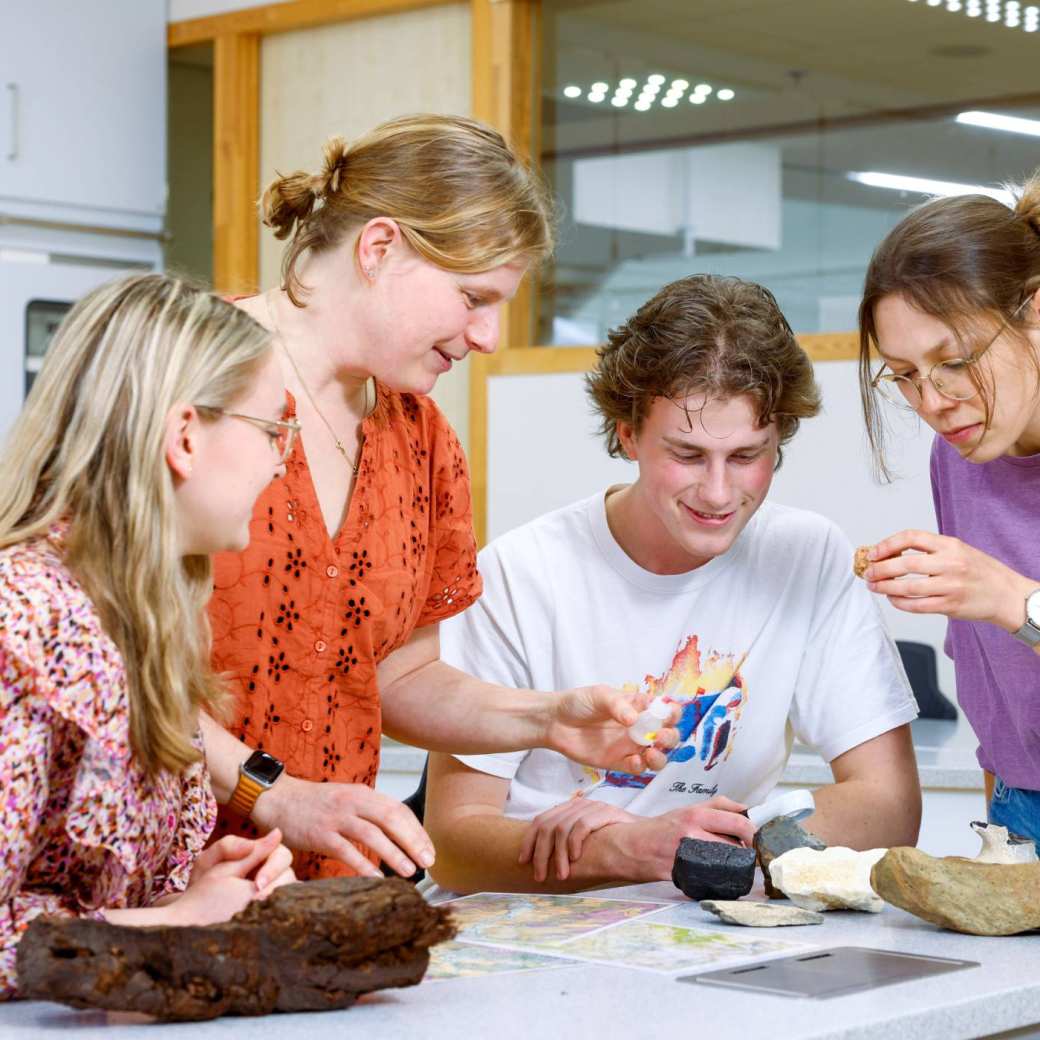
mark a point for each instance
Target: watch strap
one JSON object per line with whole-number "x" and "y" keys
{"x": 1029, "y": 633}
{"x": 245, "y": 794}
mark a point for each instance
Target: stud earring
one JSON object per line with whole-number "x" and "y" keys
{"x": 370, "y": 272}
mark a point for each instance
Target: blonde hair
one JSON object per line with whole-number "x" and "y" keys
{"x": 462, "y": 199}
{"x": 966, "y": 260}
{"x": 88, "y": 448}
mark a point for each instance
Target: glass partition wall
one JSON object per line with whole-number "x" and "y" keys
{"x": 774, "y": 139}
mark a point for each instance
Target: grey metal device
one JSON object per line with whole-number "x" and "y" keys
{"x": 830, "y": 973}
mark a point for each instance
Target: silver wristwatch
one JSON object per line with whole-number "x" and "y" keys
{"x": 1029, "y": 633}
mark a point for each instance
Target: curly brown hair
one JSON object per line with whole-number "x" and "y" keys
{"x": 722, "y": 337}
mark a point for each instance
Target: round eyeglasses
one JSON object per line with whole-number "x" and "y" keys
{"x": 952, "y": 379}
{"x": 282, "y": 432}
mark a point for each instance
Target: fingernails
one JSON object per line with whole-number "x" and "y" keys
{"x": 406, "y": 868}
{"x": 426, "y": 859}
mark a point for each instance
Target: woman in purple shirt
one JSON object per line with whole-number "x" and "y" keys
{"x": 952, "y": 305}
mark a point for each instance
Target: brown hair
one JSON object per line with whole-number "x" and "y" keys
{"x": 462, "y": 199}
{"x": 723, "y": 337}
{"x": 966, "y": 260}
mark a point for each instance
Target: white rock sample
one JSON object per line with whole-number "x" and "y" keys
{"x": 999, "y": 846}
{"x": 759, "y": 915}
{"x": 828, "y": 879}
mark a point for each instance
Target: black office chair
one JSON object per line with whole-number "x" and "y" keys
{"x": 416, "y": 801}
{"x": 920, "y": 664}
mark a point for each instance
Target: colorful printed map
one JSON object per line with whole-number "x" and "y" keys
{"x": 670, "y": 948}
{"x": 456, "y": 960}
{"x": 540, "y": 920}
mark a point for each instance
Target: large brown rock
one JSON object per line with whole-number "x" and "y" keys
{"x": 961, "y": 894}
{"x": 308, "y": 947}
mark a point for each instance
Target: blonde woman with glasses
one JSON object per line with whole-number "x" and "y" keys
{"x": 401, "y": 250}
{"x": 952, "y": 306}
{"x": 153, "y": 425}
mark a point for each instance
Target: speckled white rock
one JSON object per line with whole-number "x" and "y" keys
{"x": 828, "y": 879}
{"x": 998, "y": 846}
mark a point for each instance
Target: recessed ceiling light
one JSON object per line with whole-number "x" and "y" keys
{"x": 703, "y": 88}
{"x": 725, "y": 94}
{"x": 669, "y": 102}
{"x": 572, "y": 91}
{"x": 698, "y": 99}
{"x": 596, "y": 97}
{"x": 926, "y": 186}
{"x": 680, "y": 84}
{"x": 619, "y": 102}
{"x": 642, "y": 106}
{"x": 995, "y": 121}
{"x": 655, "y": 80}
{"x": 628, "y": 83}
{"x": 651, "y": 89}
{"x": 600, "y": 88}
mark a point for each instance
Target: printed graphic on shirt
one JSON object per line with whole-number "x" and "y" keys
{"x": 712, "y": 695}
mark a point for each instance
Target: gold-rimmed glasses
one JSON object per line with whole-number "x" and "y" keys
{"x": 281, "y": 431}
{"x": 952, "y": 378}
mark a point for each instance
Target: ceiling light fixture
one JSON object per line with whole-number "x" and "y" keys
{"x": 628, "y": 83}
{"x": 572, "y": 92}
{"x": 926, "y": 186}
{"x": 725, "y": 94}
{"x": 698, "y": 99}
{"x": 995, "y": 121}
{"x": 655, "y": 80}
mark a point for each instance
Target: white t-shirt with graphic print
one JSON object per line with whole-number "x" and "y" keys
{"x": 774, "y": 640}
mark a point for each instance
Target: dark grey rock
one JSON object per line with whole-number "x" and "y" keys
{"x": 713, "y": 869}
{"x": 774, "y": 839}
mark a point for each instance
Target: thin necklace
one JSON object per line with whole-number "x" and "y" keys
{"x": 354, "y": 463}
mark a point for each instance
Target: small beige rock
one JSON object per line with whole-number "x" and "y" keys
{"x": 759, "y": 915}
{"x": 835, "y": 878}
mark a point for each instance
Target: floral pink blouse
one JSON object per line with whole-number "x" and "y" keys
{"x": 82, "y": 827}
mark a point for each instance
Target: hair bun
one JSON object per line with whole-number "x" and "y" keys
{"x": 288, "y": 201}
{"x": 334, "y": 156}
{"x": 1027, "y": 206}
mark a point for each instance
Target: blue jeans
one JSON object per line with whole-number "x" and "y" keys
{"x": 1016, "y": 808}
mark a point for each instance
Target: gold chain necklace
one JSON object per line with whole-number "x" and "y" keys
{"x": 354, "y": 463}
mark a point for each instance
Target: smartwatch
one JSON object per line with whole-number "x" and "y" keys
{"x": 1029, "y": 633}
{"x": 256, "y": 775}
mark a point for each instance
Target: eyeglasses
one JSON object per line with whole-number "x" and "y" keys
{"x": 952, "y": 379}
{"x": 282, "y": 432}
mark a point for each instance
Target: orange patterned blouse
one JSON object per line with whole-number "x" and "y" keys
{"x": 301, "y": 620}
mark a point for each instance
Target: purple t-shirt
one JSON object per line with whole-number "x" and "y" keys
{"x": 995, "y": 506}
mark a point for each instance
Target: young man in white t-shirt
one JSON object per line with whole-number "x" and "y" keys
{"x": 688, "y": 583}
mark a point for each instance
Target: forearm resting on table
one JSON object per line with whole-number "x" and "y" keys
{"x": 875, "y": 801}
{"x": 478, "y": 849}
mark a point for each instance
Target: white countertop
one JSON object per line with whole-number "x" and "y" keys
{"x": 605, "y": 1002}
{"x": 945, "y": 758}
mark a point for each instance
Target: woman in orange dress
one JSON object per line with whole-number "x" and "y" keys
{"x": 402, "y": 249}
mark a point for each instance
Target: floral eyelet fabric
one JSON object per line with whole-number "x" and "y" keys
{"x": 82, "y": 826}
{"x": 301, "y": 620}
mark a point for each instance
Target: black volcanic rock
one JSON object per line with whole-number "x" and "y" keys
{"x": 713, "y": 869}
{"x": 774, "y": 839}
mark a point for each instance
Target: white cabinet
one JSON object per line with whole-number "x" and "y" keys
{"x": 83, "y": 111}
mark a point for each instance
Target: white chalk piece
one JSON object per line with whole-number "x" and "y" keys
{"x": 796, "y": 805}
{"x": 645, "y": 729}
